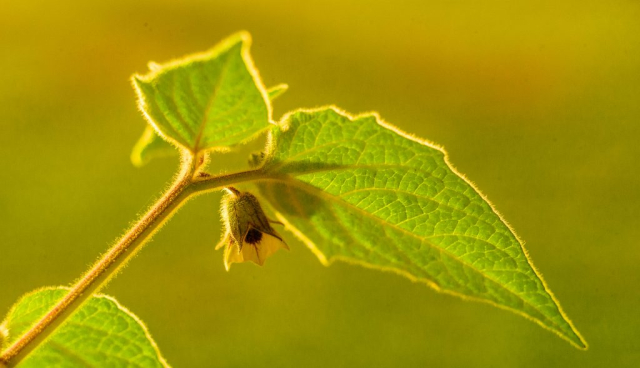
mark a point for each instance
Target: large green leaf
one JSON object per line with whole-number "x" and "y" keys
{"x": 206, "y": 101}
{"x": 151, "y": 145}
{"x": 100, "y": 334}
{"x": 358, "y": 190}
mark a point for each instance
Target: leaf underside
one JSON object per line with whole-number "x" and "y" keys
{"x": 151, "y": 145}
{"x": 357, "y": 190}
{"x": 206, "y": 101}
{"x": 100, "y": 334}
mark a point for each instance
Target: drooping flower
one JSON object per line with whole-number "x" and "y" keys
{"x": 248, "y": 232}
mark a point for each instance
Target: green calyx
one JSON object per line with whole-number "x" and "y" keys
{"x": 249, "y": 235}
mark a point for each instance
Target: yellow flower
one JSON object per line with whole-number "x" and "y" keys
{"x": 248, "y": 233}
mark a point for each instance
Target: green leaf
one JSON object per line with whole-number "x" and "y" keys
{"x": 151, "y": 145}
{"x": 205, "y": 101}
{"x": 100, "y": 334}
{"x": 4, "y": 334}
{"x": 277, "y": 91}
{"x": 358, "y": 190}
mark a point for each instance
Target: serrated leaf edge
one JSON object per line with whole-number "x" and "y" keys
{"x": 328, "y": 261}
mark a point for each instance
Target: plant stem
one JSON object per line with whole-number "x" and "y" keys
{"x": 186, "y": 185}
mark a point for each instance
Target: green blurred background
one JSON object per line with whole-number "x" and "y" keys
{"x": 537, "y": 103}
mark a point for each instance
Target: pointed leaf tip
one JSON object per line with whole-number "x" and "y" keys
{"x": 207, "y": 100}
{"x": 360, "y": 190}
{"x": 150, "y": 145}
{"x": 277, "y": 91}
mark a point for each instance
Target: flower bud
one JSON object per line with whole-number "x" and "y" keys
{"x": 256, "y": 159}
{"x": 248, "y": 233}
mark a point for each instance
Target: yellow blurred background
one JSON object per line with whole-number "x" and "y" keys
{"x": 536, "y": 102}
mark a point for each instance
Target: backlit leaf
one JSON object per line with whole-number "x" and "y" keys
{"x": 205, "y": 101}
{"x": 100, "y": 334}
{"x": 358, "y": 190}
{"x": 151, "y": 145}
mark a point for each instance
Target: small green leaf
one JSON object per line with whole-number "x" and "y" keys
{"x": 100, "y": 334}
{"x": 206, "y": 101}
{"x": 359, "y": 190}
{"x": 277, "y": 91}
{"x": 151, "y": 145}
{"x": 4, "y": 334}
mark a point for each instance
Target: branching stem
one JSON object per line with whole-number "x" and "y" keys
{"x": 189, "y": 182}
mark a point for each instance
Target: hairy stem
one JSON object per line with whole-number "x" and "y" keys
{"x": 187, "y": 184}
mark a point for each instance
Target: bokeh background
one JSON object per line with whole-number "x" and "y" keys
{"x": 536, "y": 102}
